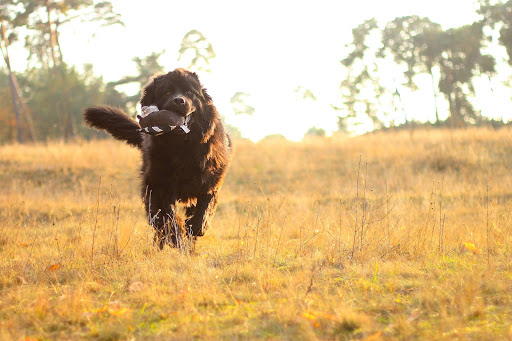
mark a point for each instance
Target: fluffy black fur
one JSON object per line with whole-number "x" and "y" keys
{"x": 177, "y": 167}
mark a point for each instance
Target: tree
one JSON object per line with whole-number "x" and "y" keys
{"x": 146, "y": 68}
{"x": 233, "y": 132}
{"x": 314, "y": 131}
{"x": 274, "y": 138}
{"x": 8, "y": 124}
{"x": 461, "y": 60}
{"x": 361, "y": 90}
{"x": 197, "y": 50}
{"x": 305, "y": 94}
{"x": 41, "y": 21}
{"x": 58, "y": 105}
{"x": 413, "y": 41}
{"x": 499, "y": 15}
{"x": 420, "y": 45}
{"x": 47, "y": 17}
{"x": 416, "y": 45}
{"x": 239, "y": 103}
{"x": 12, "y": 17}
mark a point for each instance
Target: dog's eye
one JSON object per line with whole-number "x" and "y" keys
{"x": 168, "y": 93}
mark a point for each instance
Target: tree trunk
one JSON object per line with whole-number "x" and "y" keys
{"x": 451, "y": 101}
{"x": 26, "y": 111}
{"x": 56, "y": 31}
{"x": 53, "y": 36}
{"x": 435, "y": 95}
{"x": 16, "y": 108}
{"x": 12, "y": 83}
{"x": 456, "y": 116}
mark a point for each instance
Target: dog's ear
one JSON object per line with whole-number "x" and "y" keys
{"x": 148, "y": 94}
{"x": 211, "y": 116}
{"x": 210, "y": 129}
{"x": 207, "y": 97}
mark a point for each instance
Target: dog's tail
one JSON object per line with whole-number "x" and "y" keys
{"x": 116, "y": 122}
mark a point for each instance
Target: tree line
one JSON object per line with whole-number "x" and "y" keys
{"x": 46, "y": 101}
{"x": 412, "y": 46}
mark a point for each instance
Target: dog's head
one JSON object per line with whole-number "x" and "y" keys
{"x": 180, "y": 91}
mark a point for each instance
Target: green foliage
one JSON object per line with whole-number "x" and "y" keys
{"x": 58, "y": 96}
{"x": 197, "y": 50}
{"x": 362, "y": 90}
{"x": 314, "y": 131}
{"x": 411, "y": 42}
{"x": 274, "y": 137}
{"x": 461, "y": 61}
{"x": 146, "y": 68}
{"x": 234, "y": 132}
{"x": 239, "y": 103}
{"x": 305, "y": 94}
{"x": 359, "y": 46}
{"x": 499, "y": 15}
{"x": 7, "y": 117}
{"x": 416, "y": 46}
{"x": 12, "y": 16}
{"x": 45, "y": 19}
{"x": 54, "y": 93}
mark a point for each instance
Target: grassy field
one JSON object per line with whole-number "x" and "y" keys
{"x": 383, "y": 236}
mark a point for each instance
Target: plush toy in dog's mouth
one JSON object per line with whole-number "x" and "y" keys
{"x": 157, "y": 122}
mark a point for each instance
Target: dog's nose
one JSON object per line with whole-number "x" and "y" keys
{"x": 179, "y": 100}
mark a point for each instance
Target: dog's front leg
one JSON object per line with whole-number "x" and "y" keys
{"x": 162, "y": 216}
{"x": 170, "y": 229}
{"x": 205, "y": 207}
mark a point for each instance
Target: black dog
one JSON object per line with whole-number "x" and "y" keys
{"x": 177, "y": 167}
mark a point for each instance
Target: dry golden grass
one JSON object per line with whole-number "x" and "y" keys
{"x": 384, "y": 236}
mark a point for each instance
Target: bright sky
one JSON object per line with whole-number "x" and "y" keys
{"x": 264, "y": 48}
